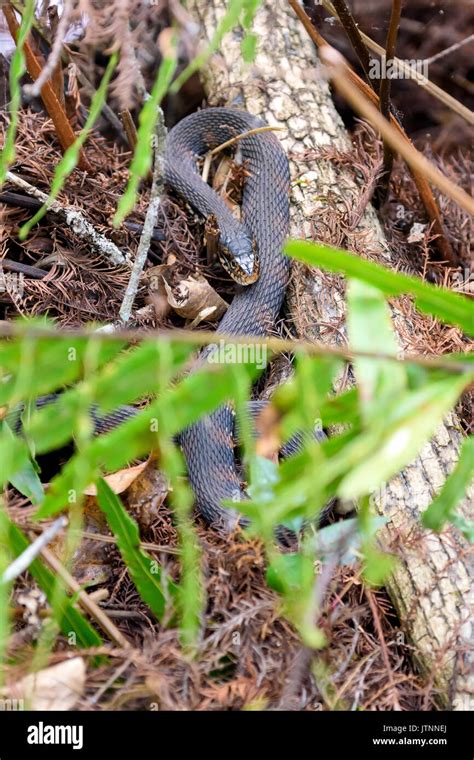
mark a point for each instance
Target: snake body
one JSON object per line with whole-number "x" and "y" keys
{"x": 208, "y": 444}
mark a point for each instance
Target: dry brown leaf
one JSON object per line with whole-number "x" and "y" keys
{"x": 56, "y": 688}
{"x": 146, "y": 495}
{"x": 194, "y": 298}
{"x": 268, "y": 431}
{"x": 119, "y": 481}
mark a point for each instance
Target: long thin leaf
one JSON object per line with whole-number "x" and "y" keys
{"x": 370, "y": 329}
{"x": 70, "y": 620}
{"x": 71, "y": 157}
{"x": 442, "y": 507}
{"x": 142, "y": 158}
{"x": 143, "y": 570}
{"x": 447, "y": 306}
{"x": 17, "y": 69}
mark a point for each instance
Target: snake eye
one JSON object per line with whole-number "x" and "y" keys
{"x": 239, "y": 259}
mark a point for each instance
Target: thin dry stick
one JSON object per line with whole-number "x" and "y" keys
{"x": 116, "y": 674}
{"x": 77, "y": 222}
{"x": 109, "y": 114}
{"x": 383, "y": 647}
{"x": 145, "y": 545}
{"x": 85, "y": 601}
{"x": 450, "y": 49}
{"x": 54, "y": 108}
{"x": 101, "y": 538}
{"x": 352, "y": 30}
{"x": 22, "y": 563}
{"x": 57, "y": 79}
{"x": 407, "y": 70}
{"x": 150, "y": 220}
{"x": 424, "y": 189}
{"x": 54, "y": 57}
{"x": 228, "y": 143}
{"x": 338, "y": 70}
{"x": 275, "y": 345}
{"x": 129, "y": 127}
{"x": 384, "y": 93}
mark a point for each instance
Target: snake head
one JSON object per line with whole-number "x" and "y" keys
{"x": 239, "y": 258}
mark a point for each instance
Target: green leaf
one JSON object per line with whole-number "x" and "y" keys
{"x": 42, "y": 365}
{"x": 466, "y": 527}
{"x": 172, "y": 412}
{"x": 264, "y": 474}
{"x": 250, "y": 8}
{"x": 406, "y": 426}
{"x": 442, "y": 303}
{"x": 249, "y": 47}
{"x": 25, "y": 479}
{"x": 225, "y": 25}
{"x": 290, "y": 572}
{"x": 442, "y": 507}
{"x": 142, "y": 157}
{"x": 14, "y": 456}
{"x": 133, "y": 375}
{"x": 67, "y": 616}
{"x": 377, "y": 566}
{"x": 144, "y": 571}
{"x": 17, "y": 69}
{"x": 345, "y": 536}
{"x": 370, "y": 330}
{"x": 71, "y": 157}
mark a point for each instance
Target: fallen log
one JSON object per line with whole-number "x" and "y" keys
{"x": 285, "y": 86}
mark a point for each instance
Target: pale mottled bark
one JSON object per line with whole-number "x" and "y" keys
{"x": 285, "y": 86}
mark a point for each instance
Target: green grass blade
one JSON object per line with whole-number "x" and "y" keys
{"x": 370, "y": 329}
{"x": 448, "y": 306}
{"x": 442, "y": 507}
{"x": 226, "y": 24}
{"x": 17, "y": 69}
{"x": 69, "y": 619}
{"x": 142, "y": 157}
{"x": 71, "y": 157}
{"x": 143, "y": 570}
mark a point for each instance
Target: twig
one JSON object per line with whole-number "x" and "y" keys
{"x": 424, "y": 189}
{"x": 85, "y": 601}
{"x": 338, "y": 71}
{"x": 145, "y": 545}
{"x": 55, "y": 54}
{"x": 384, "y": 95}
{"x": 54, "y": 108}
{"x": 383, "y": 646}
{"x": 210, "y": 154}
{"x": 249, "y": 133}
{"x": 22, "y": 201}
{"x": 275, "y": 345}
{"x": 352, "y": 30}
{"x": 107, "y": 111}
{"x": 116, "y": 674}
{"x": 57, "y": 76}
{"x": 406, "y": 69}
{"x": 129, "y": 127}
{"x": 22, "y": 563}
{"x": 15, "y": 266}
{"x": 150, "y": 220}
{"x": 101, "y": 538}
{"x": 157, "y": 235}
{"x": 77, "y": 222}
{"x": 450, "y": 49}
